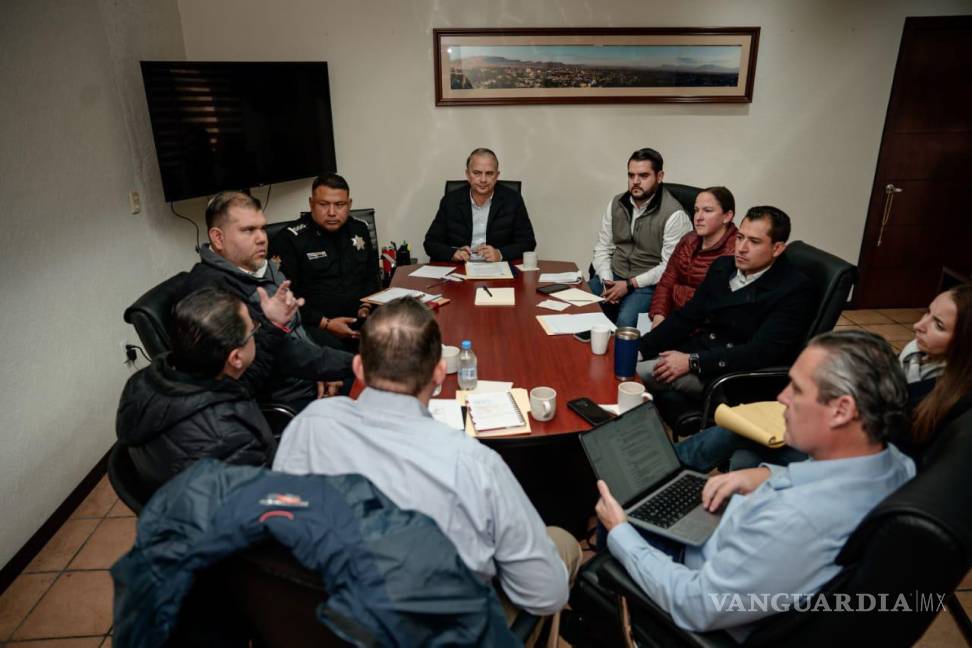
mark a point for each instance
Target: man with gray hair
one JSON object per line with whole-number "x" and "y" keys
{"x": 389, "y": 436}
{"x": 482, "y": 221}
{"x": 846, "y": 396}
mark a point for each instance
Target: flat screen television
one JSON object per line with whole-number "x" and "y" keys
{"x": 222, "y": 125}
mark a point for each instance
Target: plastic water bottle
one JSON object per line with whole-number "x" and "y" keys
{"x": 468, "y": 376}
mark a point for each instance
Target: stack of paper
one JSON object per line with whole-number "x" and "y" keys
{"x": 495, "y": 297}
{"x": 761, "y": 422}
{"x": 578, "y": 297}
{"x": 574, "y": 276}
{"x": 482, "y": 270}
{"x": 448, "y": 411}
{"x": 389, "y": 294}
{"x": 432, "y": 272}
{"x": 554, "y": 305}
{"x": 494, "y": 410}
{"x": 569, "y": 324}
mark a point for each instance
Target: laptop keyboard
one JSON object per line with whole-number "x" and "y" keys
{"x": 671, "y": 504}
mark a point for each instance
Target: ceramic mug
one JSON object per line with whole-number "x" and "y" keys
{"x": 543, "y": 403}
{"x": 451, "y": 356}
{"x": 530, "y": 260}
{"x": 630, "y": 394}
{"x": 600, "y": 336}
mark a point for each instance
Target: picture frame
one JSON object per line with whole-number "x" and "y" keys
{"x": 493, "y": 67}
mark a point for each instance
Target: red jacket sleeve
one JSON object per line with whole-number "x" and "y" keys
{"x": 662, "y": 301}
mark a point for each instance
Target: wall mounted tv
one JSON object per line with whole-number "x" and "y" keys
{"x": 220, "y": 125}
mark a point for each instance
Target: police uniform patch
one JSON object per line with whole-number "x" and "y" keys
{"x": 296, "y": 228}
{"x": 357, "y": 242}
{"x": 313, "y": 256}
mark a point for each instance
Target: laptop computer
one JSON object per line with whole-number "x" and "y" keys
{"x": 633, "y": 455}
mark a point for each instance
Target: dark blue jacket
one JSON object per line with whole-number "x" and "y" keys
{"x": 391, "y": 572}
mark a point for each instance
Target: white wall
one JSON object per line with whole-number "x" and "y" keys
{"x": 808, "y": 143}
{"x": 73, "y": 133}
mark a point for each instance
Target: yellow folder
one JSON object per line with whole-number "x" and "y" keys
{"x": 760, "y": 422}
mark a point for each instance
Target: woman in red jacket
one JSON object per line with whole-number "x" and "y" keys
{"x": 714, "y": 236}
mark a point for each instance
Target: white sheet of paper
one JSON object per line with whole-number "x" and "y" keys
{"x": 553, "y": 304}
{"x": 386, "y": 296}
{"x": 574, "y": 276}
{"x": 564, "y": 324}
{"x": 484, "y": 269}
{"x": 613, "y": 408}
{"x": 432, "y": 272}
{"x": 523, "y": 268}
{"x": 644, "y": 323}
{"x": 448, "y": 411}
{"x": 578, "y": 297}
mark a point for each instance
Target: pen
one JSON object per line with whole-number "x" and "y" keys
{"x": 487, "y": 291}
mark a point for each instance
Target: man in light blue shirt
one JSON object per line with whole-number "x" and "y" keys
{"x": 388, "y": 436}
{"x": 783, "y": 528}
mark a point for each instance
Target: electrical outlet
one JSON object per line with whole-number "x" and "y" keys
{"x": 135, "y": 202}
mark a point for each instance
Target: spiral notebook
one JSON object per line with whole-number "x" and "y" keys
{"x": 482, "y": 407}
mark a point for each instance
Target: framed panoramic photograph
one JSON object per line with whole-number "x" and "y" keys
{"x": 548, "y": 66}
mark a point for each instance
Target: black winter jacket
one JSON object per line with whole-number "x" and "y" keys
{"x": 169, "y": 420}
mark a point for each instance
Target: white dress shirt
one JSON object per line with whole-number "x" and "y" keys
{"x": 480, "y": 219}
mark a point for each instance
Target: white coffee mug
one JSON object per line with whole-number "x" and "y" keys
{"x": 630, "y": 394}
{"x": 451, "y": 356}
{"x": 600, "y": 336}
{"x": 543, "y": 403}
{"x": 530, "y": 260}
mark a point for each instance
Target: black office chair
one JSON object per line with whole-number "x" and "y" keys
{"x": 452, "y": 185}
{"x": 918, "y": 540}
{"x": 150, "y": 314}
{"x": 833, "y": 279}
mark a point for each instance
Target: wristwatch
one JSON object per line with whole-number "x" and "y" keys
{"x": 694, "y": 365}
{"x": 630, "y": 283}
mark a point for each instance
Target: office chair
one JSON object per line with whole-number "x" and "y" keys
{"x": 452, "y": 185}
{"x": 150, "y": 314}
{"x": 918, "y": 540}
{"x": 833, "y": 278}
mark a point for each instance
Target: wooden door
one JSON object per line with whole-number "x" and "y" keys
{"x": 920, "y": 214}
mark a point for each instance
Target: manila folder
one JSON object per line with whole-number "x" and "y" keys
{"x": 761, "y": 422}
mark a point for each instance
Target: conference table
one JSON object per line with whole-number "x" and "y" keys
{"x": 511, "y": 346}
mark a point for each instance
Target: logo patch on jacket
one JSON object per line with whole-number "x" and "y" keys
{"x": 284, "y": 499}
{"x": 296, "y": 228}
{"x": 357, "y": 242}
{"x": 313, "y": 256}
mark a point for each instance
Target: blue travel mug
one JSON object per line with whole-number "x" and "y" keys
{"x": 626, "y": 341}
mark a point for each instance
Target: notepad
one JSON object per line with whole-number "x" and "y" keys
{"x": 569, "y": 324}
{"x": 760, "y": 422}
{"x": 389, "y": 294}
{"x": 432, "y": 272}
{"x": 578, "y": 297}
{"x": 554, "y": 305}
{"x": 483, "y": 270}
{"x": 560, "y": 277}
{"x": 495, "y": 297}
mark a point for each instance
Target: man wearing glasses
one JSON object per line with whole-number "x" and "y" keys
{"x": 332, "y": 262}
{"x": 195, "y": 401}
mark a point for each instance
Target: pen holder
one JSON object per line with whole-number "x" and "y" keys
{"x": 626, "y": 341}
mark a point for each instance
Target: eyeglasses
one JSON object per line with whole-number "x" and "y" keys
{"x": 256, "y": 327}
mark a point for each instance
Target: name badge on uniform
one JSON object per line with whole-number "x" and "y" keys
{"x": 313, "y": 256}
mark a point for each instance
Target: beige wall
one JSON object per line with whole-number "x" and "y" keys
{"x": 808, "y": 142}
{"x": 73, "y": 145}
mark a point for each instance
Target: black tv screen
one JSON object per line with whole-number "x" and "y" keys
{"x": 220, "y": 125}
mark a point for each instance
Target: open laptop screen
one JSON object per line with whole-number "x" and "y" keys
{"x": 631, "y": 453}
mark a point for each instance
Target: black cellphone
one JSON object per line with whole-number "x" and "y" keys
{"x": 590, "y": 411}
{"x": 552, "y": 288}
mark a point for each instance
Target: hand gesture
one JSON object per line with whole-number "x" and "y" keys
{"x": 614, "y": 291}
{"x": 609, "y": 512}
{"x": 328, "y": 389}
{"x": 656, "y": 320}
{"x": 462, "y": 254}
{"x": 489, "y": 253}
{"x": 282, "y": 307}
{"x": 672, "y": 366}
{"x": 721, "y": 487}
{"x": 340, "y": 326}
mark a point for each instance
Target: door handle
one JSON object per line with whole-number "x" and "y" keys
{"x": 889, "y": 191}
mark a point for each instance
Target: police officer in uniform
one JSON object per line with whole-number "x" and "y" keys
{"x": 332, "y": 263}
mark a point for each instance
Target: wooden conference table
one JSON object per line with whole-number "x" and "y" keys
{"x": 511, "y": 346}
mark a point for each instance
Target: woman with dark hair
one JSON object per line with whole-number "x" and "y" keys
{"x": 714, "y": 236}
{"x": 938, "y": 368}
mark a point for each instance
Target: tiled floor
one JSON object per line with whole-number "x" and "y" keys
{"x": 64, "y": 597}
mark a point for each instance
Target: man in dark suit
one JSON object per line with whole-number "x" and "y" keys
{"x": 751, "y": 311}
{"x": 483, "y": 221}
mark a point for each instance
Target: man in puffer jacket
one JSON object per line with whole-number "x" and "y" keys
{"x": 190, "y": 403}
